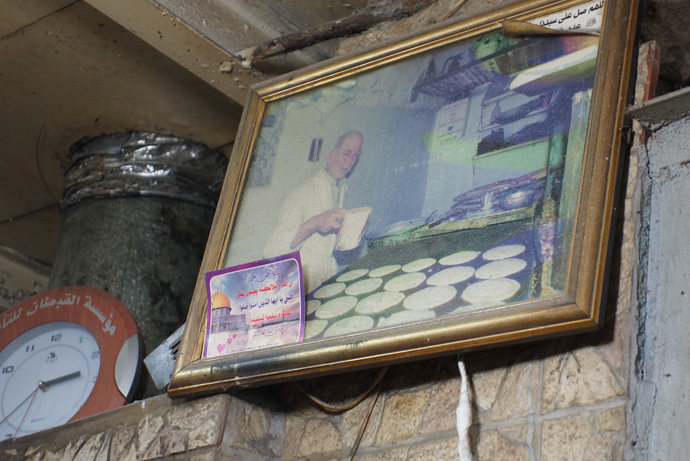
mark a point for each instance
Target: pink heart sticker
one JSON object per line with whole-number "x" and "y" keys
{"x": 221, "y": 347}
{"x": 230, "y": 340}
{"x": 234, "y": 336}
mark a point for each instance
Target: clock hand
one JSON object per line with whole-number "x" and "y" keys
{"x": 33, "y": 394}
{"x": 45, "y": 385}
{"x": 27, "y": 411}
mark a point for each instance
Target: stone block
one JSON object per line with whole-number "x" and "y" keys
{"x": 352, "y": 420}
{"x": 320, "y": 436}
{"x": 566, "y": 439}
{"x": 402, "y": 414}
{"x": 89, "y": 451}
{"x": 486, "y": 385}
{"x": 105, "y": 449}
{"x": 257, "y": 423}
{"x": 189, "y": 415}
{"x": 395, "y": 454}
{"x": 617, "y": 351}
{"x": 441, "y": 450}
{"x": 507, "y": 445}
{"x": 121, "y": 441}
{"x": 516, "y": 396}
{"x": 173, "y": 441}
{"x": 148, "y": 430}
{"x": 411, "y": 376}
{"x": 612, "y": 420}
{"x": 440, "y": 413}
{"x": 580, "y": 377}
{"x": 601, "y": 448}
{"x": 129, "y": 455}
{"x": 294, "y": 430}
{"x": 204, "y": 435}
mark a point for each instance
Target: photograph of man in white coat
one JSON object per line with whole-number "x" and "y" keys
{"x": 313, "y": 214}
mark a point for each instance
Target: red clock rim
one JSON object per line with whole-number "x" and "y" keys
{"x": 105, "y": 394}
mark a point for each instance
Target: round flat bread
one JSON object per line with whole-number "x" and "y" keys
{"x": 385, "y": 270}
{"x": 501, "y": 268}
{"x": 329, "y": 290}
{"x": 406, "y": 317}
{"x": 349, "y": 325}
{"x": 430, "y": 297}
{"x": 352, "y": 275}
{"x": 492, "y": 290}
{"x": 336, "y": 307}
{"x": 405, "y": 282}
{"x": 451, "y": 275}
{"x": 314, "y": 327}
{"x": 461, "y": 257}
{"x": 312, "y": 305}
{"x": 503, "y": 252}
{"x": 418, "y": 265}
{"x": 379, "y": 302}
{"x": 363, "y": 286}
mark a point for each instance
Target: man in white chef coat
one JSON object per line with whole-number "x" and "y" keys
{"x": 313, "y": 213}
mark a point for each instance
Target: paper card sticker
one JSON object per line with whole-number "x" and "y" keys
{"x": 584, "y": 18}
{"x": 255, "y": 305}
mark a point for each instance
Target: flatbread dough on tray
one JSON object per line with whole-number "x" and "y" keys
{"x": 430, "y": 297}
{"x": 405, "y": 282}
{"x": 352, "y": 275}
{"x": 492, "y": 290}
{"x": 329, "y": 290}
{"x": 451, "y": 275}
{"x": 363, "y": 286}
{"x": 314, "y": 327}
{"x": 418, "y": 265}
{"x": 384, "y": 270}
{"x": 349, "y": 325}
{"x": 461, "y": 257}
{"x": 501, "y": 268}
{"x": 336, "y": 307}
{"x": 379, "y": 302}
{"x": 503, "y": 252}
{"x": 405, "y": 317}
{"x": 312, "y": 305}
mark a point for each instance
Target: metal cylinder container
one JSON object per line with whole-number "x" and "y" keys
{"x": 137, "y": 210}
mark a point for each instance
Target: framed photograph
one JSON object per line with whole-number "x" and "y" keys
{"x": 450, "y": 190}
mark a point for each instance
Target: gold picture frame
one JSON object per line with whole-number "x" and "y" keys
{"x": 491, "y": 136}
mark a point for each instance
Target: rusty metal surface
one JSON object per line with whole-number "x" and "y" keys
{"x": 148, "y": 164}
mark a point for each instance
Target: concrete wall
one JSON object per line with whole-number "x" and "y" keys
{"x": 662, "y": 401}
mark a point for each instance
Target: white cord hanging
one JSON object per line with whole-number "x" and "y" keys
{"x": 464, "y": 415}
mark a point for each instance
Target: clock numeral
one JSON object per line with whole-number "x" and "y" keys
{"x": 57, "y": 337}
{"x": 96, "y": 354}
{"x": 7, "y": 369}
{"x": 29, "y": 348}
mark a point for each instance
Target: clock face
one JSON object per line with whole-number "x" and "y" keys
{"x": 64, "y": 355}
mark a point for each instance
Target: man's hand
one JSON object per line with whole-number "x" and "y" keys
{"x": 325, "y": 223}
{"x": 329, "y": 221}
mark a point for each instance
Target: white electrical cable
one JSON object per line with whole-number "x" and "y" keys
{"x": 464, "y": 415}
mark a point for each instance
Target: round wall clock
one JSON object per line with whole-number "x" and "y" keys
{"x": 65, "y": 354}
